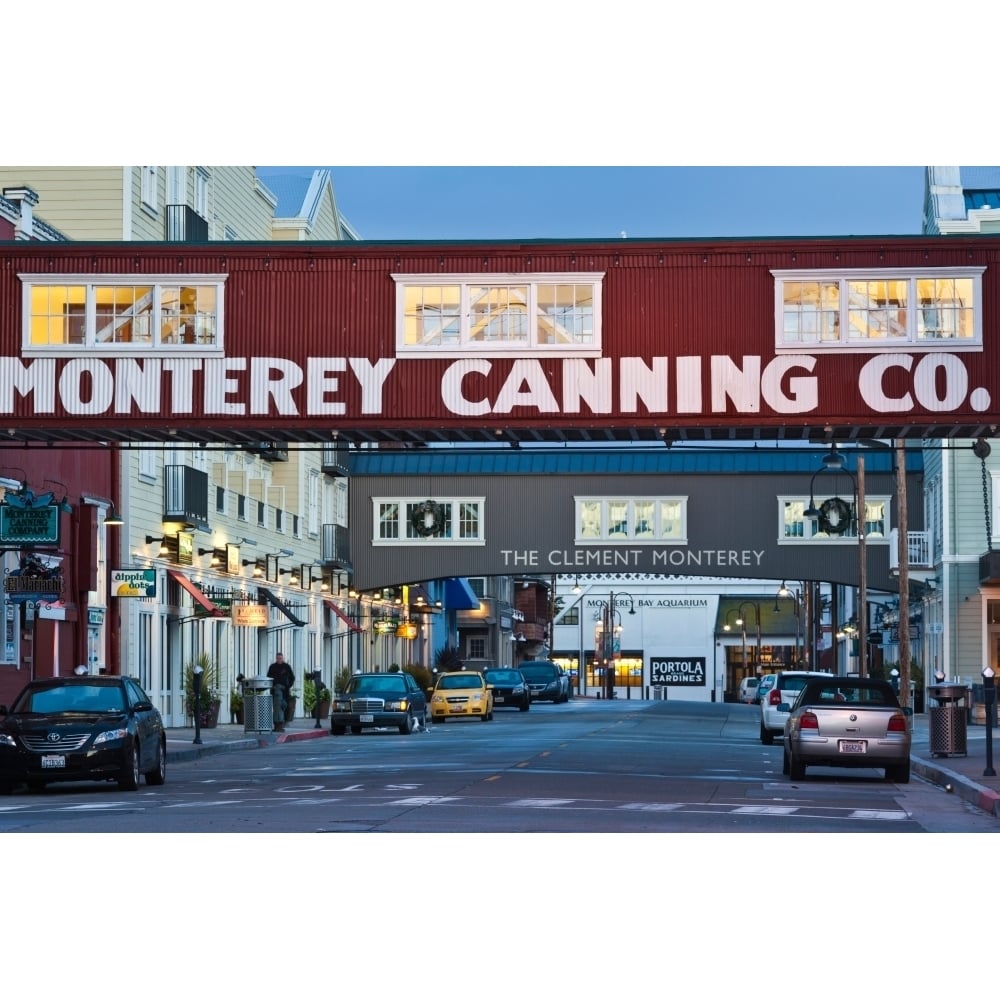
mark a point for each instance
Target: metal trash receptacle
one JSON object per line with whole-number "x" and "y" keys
{"x": 947, "y": 721}
{"x": 258, "y": 705}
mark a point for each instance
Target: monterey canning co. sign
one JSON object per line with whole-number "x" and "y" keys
{"x": 654, "y": 336}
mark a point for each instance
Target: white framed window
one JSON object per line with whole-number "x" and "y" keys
{"x": 479, "y": 315}
{"x": 177, "y": 185}
{"x": 148, "y": 187}
{"x": 632, "y": 520}
{"x": 313, "y": 502}
{"x": 931, "y": 309}
{"x": 117, "y": 314}
{"x": 441, "y": 521}
{"x": 148, "y": 464}
{"x": 794, "y": 526}
{"x": 201, "y": 176}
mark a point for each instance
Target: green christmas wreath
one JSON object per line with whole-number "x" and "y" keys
{"x": 834, "y": 516}
{"x": 427, "y": 518}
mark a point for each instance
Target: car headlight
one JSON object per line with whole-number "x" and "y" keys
{"x": 342, "y": 705}
{"x": 438, "y": 698}
{"x": 110, "y": 734}
{"x": 478, "y": 696}
{"x": 6, "y": 740}
{"x": 519, "y": 689}
{"x": 401, "y": 705}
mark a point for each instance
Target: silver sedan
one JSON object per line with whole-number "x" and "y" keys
{"x": 847, "y": 722}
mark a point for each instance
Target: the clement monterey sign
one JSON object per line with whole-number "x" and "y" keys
{"x": 444, "y": 341}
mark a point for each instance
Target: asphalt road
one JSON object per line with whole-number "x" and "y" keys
{"x": 583, "y": 767}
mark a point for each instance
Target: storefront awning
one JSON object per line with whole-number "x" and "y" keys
{"x": 280, "y": 605}
{"x": 458, "y": 595}
{"x": 199, "y": 598}
{"x": 340, "y": 614}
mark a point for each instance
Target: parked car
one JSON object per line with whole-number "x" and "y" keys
{"x": 510, "y": 689}
{"x": 547, "y": 681}
{"x": 847, "y": 722}
{"x": 786, "y": 685}
{"x": 86, "y": 728}
{"x": 379, "y": 700}
{"x": 765, "y": 685}
{"x": 748, "y": 689}
{"x": 461, "y": 694}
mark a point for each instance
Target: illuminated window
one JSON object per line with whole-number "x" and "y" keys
{"x": 632, "y": 519}
{"x": 933, "y": 309}
{"x": 119, "y": 315}
{"x": 794, "y": 526}
{"x": 476, "y": 315}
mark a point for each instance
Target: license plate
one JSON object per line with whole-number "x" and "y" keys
{"x": 366, "y": 718}
{"x": 53, "y": 760}
{"x": 499, "y": 701}
{"x": 853, "y": 746}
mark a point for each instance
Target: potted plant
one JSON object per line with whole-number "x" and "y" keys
{"x": 208, "y": 700}
{"x": 293, "y": 700}
{"x": 236, "y": 705}
{"x": 310, "y": 698}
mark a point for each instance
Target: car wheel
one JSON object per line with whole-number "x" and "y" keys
{"x": 900, "y": 774}
{"x": 406, "y": 727}
{"x": 337, "y": 730}
{"x": 784, "y": 763}
{"x": 524, "y": 706}
{"x": 796, "y": 769}
{"x": 437, "y": 718}
{"x": 485, "y": 717}
{"x": 766, "y": 736}
{"x": 35, "y": 786}
{"x": 129, "y": 779}
{"x": 6, "y": 788}
{"x": 356, "y": 730}
{"x": 159, "y": 773}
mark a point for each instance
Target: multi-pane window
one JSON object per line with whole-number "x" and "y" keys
{"x": 933, "y": 308}
{"x": 148, "y": 186}
{"x": 632, "y": 519}
{"x": 120, "y": 315}
{"x": 434, "y": 522}
{"x": 795, "y": 526}
{"x": 471, "y": 315}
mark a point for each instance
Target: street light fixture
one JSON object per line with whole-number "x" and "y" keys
{"x": 989, "y": 696}
{"x": 793, "y": 596}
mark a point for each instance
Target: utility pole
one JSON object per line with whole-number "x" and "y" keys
{"x": 903, "y": 562}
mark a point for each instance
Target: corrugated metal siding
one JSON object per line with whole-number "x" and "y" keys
{"x": 661, "y": 298}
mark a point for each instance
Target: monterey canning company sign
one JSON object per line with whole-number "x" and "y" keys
{"x": 636, "y": 339}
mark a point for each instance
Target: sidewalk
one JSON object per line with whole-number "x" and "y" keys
{"x": 961, "y": 775}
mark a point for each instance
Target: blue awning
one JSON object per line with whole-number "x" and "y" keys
{"x": 458, "y": 595}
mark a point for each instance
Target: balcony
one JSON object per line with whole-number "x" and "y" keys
{"x": 269, "y": 451}
{"x": 184, "y": 225}
{"x": 335, "y": 459}
{"x": 335, "y": 548}
{"x": 185, "y": 495}
{"x": 919, "y": 550}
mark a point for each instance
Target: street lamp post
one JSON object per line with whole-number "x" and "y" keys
{"x": 196, "y": 708}
{"x": 608, "y": 612}
{"x": 989, "y": 696}
{"x": 741, "y": 621}
{"x": 793, "y": 596}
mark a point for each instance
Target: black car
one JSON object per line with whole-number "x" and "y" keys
{"x": 547, "y": 681}
{"x": 510, "y": 689}
{"x": 81, "y": 729}
{"x": 378, "y": 700}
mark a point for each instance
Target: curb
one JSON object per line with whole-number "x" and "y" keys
{"x": 982, "y": 798}
{"x": 182, "y": 750}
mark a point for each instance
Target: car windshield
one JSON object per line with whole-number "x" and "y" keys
{"x": 72, "y": 698}
{"x": 503, "y": 677}
{"x": 540, "y": 673}
{"x": 372, "y": 684}
{"x": 460, "y": 681}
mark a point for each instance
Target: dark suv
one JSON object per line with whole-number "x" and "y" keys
{"x": 547, "y": 681}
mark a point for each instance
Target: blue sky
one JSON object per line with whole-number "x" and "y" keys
{"x": 481, "y": 202}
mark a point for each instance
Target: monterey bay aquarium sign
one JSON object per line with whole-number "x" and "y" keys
{"x": 544, "y": 341}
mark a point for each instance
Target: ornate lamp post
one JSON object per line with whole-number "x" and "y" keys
{"x": 793, "y": 596}
{"x": 989, "y": 696}
{"x": 741, "y": 621}
{"x": 609, "y": 629}
{"x": 196, "y": 691}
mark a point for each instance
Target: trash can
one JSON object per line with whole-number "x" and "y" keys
{"x": 947, "y": 720}
{"x": 258, "y": 705}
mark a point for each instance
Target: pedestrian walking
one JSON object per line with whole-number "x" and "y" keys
{"x": 282, "y": 679}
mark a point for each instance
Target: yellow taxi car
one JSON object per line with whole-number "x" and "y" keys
{"x": 461, "y": 694}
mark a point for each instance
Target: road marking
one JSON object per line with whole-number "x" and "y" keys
{"x": 653, "y": 806}
{"x": 767, "y": 810}
{"x": 878, "y": 814}
{"x": 424, "y": 800}
{"x": 540, "y": 803}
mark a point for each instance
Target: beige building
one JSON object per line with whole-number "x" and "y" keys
{"x": 236, "y": 524}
